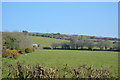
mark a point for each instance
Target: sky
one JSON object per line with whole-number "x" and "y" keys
{"x": 82, "y": 18}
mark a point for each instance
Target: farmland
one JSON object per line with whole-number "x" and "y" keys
{"x": 74, "y": 58}
{"x": 59, "y": 58}
{"x": 43, "y": 41}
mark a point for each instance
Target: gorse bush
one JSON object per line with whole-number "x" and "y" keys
{"x": 24, "y": 71}
{"x": 10, "y": 53}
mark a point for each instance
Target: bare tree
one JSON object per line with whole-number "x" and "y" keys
{"x": 65, "y": 45}
{"x": 107, "y": 44}
{"x": 17, "y": 40}
{"x": 81, "y": 43}
{"x": 73, "y": 43}
{"x": 89, "y": 44}
{"x": 116, "y": 46}
{"x": 100, "y": 45}
{"x": 55, "y": 44}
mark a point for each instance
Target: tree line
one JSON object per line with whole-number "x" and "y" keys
{"x": 86, "y": 44}
{"x": 80, "y": 41}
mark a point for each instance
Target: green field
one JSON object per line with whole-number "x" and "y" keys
{"x": 43, "y": 41}
{"x": 74, "y": 58}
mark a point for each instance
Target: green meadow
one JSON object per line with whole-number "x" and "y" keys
{"x": 73, "y": 58}
{"x": 43, "y": 41}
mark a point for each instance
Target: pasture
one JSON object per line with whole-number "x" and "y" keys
{"x": 73, "y": 58}
{"x": 59, "y": 58}
{"x": 43, "y": 41}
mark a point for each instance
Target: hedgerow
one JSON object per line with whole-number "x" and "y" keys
{"x": 23, "y": 71}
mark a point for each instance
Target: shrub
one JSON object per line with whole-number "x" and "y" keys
{"x": 5, "y": 47}
{"x": 28, "y": 50}
{"x": 10, "y": 53}
{"x": 22, "y": 51}
{"x": 4, "y": 54}
{"x": 24, "y": 71}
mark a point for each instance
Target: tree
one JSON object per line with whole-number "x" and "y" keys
{"x": 107, "y": 44}
{"x": 81, "y": 43}
{"x": 65, "y": 45}
{"x": 74, "y": 43}
{"x": 55, "y": 44}
{"x": 100, "y": 45}
{"x": 25, "y": 32}
{"x": 58, "y": 33}
{"x": 89, "y": 44}
{"x": 104, "y": 44}
{"x": 116, "y": 46}
{"x": 9, "y": 42}
{"x": 16, "y": 40}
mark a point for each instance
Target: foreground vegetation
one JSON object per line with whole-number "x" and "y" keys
{"x": 23, "y": 71}
{"x": 73, "y": 58}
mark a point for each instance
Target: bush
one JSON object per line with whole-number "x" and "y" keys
{"x": 24, "y": 71}
{"x": 28, "y": 50}
{"x": 4, "y": 54}
{"x": 22, "y": 51}
{"x": 5, "y": 47}
{"x": 10, "y": 53}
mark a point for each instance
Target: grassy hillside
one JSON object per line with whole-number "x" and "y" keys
{"x": 74, "y": 58}
{"x": 58, "y": 58}
{"x": 43, "y": 41}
